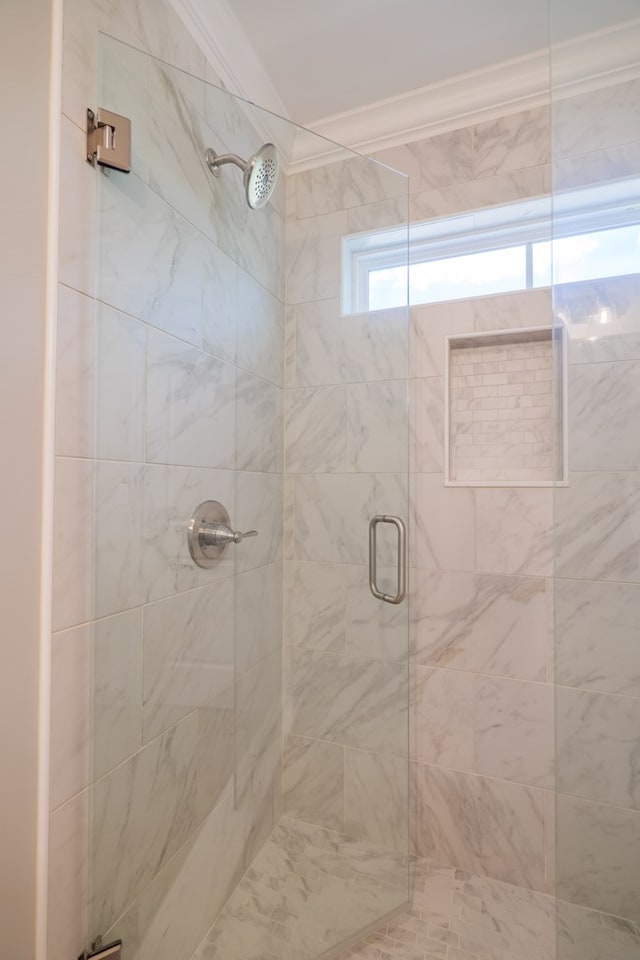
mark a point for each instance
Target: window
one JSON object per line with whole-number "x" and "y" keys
{"x": 596, "y": 233}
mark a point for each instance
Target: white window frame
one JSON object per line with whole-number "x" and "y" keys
{"x": 493, "y": 228}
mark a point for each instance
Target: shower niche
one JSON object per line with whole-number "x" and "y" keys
{"x": 505, "y": 408}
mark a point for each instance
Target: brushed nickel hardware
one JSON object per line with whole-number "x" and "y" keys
{"x": 401, "y": 592}
{"x": 109, "y": 140}
{"x": 209, "y": 533}
{"x": 260, "y": 172}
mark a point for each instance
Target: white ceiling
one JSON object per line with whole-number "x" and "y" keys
{"x": 325, "y": 57}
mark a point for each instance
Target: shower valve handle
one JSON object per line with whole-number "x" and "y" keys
{"x": 210, "y": 532}
{"x": 219, "y": 535}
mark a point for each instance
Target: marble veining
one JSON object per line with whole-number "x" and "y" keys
{"x": 507, "y": 311}
{"x": 514, "y": 731}
{"x": 373, "y": 630}
{"x": 430, "y": 323}
{"x": 434, "y": 162}
{"x": 259, "y": 426}
{"x": 372, "y": 346}
{"x": 480, "y": 623}
{"x": 100, "y": 377}
{"x": 174, "y": 910}
{"x": 75, "y": 373}
{"x": 140, "y": 816}
{"x": 179, "y": 137}
{"x": 514, "y": 531}
{"x": 442, "y": 722}
{"x": 315, "y": 429}
{"x": 598, "y": 748}
{"x": 360, "y": 703}
{"x": 188, "y": 654}
{"x": 117, "y": 680}
{"x": 221, "y": 281}
{"x": 618, "y": 162}
{"x": 333, "y": 512}
{"x": 152, "y": 281}
{"x": 259, "y": 316}
{"x": 313, "y": 257}
{"x": 158, "y": 29}
{"x": 315, "y": 612}
{"x": 598, "y": 120}
{"x": 71, "y": 695}
{"x": 444, "y": 525}
{"x": 377, "y": 427}
{"x": 279, "y": 910}
{"x": 379, "y": 214}
{"x": 588, "y": 935}
{"x": 598, "y": 851}
{"x": 348, "y": 183}
{"x": 215, "y": 751}
{"x": 603, "y": 404}
{"x": 376, "y": 799}
{"x": 258, "y": 726}
{"x": 259, "y": 506}
{"x": 490, "y": 827}
{"x": 426, "y": 425}
{"x": 597, "y": 530}
{"x": 190, "y": 406}
{"x": 119, "y": 537}
{"x": 215, "y": 206}
{"x": 307, "y": 890}
{"x": 512, "y": 142}
{"x": 587, "y": 611}
{"x": 258, "y": 615}
{"x": 313, "y": 782}
{"x": 67, "y": 873}
{"x": 472, "y": 195}
{"x": 232, "y": 120}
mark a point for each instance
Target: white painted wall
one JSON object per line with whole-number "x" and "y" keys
{"x": 25, "y": 56}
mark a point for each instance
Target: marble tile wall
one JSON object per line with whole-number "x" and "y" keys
{"x": 346, "y": 458}
{"x": 481, "y": 744}
{"x": 166, "y": 725}
{"x": 482, "y": 752}
{"x": 597, "y": 518}
{"x": 483, "y": 654}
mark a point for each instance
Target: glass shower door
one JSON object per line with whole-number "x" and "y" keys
{"x": 249, "y": 783}
{"x": 596, "y": 158}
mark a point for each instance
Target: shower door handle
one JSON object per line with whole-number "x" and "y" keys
{"x": 401, "y": 592}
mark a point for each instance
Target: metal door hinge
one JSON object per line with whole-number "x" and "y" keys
{"x": 109, "y": 140}
{"x": 111, "y": 952}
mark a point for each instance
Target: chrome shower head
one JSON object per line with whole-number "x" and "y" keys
{"x": 260, "y": 172}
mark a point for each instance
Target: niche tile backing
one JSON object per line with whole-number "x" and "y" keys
{"x": 500, "y": 409}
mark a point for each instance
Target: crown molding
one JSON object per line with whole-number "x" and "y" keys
{"x": 568, "y": 69}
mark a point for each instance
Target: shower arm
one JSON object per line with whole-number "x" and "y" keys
{"x": 215, "y": 160}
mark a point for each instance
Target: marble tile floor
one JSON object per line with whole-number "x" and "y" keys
{"x": 310, "y": 889}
